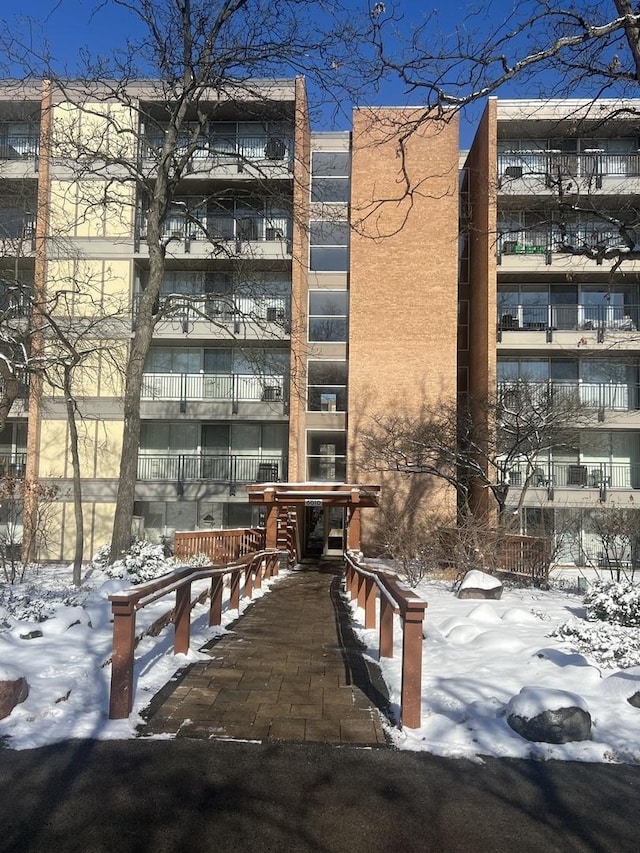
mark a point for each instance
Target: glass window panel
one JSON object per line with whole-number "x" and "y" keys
{"x": 508, "y": 369}
{"x": 217, "y": 361}
{"x": 534, "y": 369}
{"x": 328, "y": 302}
{"x": 324, "y": 329}
{"x": 330, "y": 163}
{"x": 330, "y": 189}
{"x": 329, "y": 233}
{"x": 327, "y": 373}
{"x": 564, "y": 369}
{"x": 274, "y": 438}
{"x": 329, "y": 260}
{"x": 215, "y": 438}
{"x": 245, "y": 439}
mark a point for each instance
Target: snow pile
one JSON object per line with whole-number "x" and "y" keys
{"x": 478, "y": 657}
{"x": 614, "y": 601}
{"x": 479, "y": 580}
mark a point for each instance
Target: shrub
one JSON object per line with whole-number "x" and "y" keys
{"x": 614, "y": 601}
{"x": 143, "y": 562}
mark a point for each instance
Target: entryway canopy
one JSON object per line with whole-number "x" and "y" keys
{"x": 353, "y": 496}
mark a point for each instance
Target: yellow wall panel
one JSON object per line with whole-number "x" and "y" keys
{"x": 90, "y": 208}
{"x": 119, "y": 211}
{"x": 109, "y": 447}
{"x": 62, "y": 212}
{"x": 102, "y": 526}
{"x": 116, "y": 281}
{"x": 53, "y": 444}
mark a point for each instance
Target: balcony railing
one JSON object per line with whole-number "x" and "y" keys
{"x": 261, "y": 310}
{"x": 582, "y": 475}
{"x": 213, "y": 387}
{"x": 549, "y": 165}
{"x": 213, "y": 151}
{"x": 579, "y": 317}
{"x": 216, "y": 227}
{"x": 230, "y": 468}
{"x": 13, "y": 464}
{"x": 515, "y": 240}
{"x": 596, "y": 395}
{"x": 19, "y": 147}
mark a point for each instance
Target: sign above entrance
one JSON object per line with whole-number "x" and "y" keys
{"x": 313, "y": 502}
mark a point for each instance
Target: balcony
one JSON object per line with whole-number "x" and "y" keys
{"x": 264, "y": 151}
{"x": 17, "y": 231}
{"x": 23, "y": 147}
{"x": 585, "y": 240}
{"x": 600, "y": 396}
{"x": 197, "y": 230}
{"x": 581, "y": 317}
{"x": 583, "y": 475}
{"x": 213, "y": 387}
{"x": 592, "y": 166}
{"x": 267, "y": 313}
{"x": 13, "y": 464}
{"x": 229, "y": 468}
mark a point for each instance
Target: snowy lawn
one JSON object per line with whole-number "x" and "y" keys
{"x": 478, "y": 655}
{"x": 476, "y": 658}
{"x": 67, "y": 668}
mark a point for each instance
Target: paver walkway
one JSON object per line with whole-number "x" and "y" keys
{"x": 288, "y": 670}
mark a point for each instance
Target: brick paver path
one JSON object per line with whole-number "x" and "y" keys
{"x": 288, "y": 670}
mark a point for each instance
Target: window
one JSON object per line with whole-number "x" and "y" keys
{"x": 328, "y": 315}
{"x": 327, "y": 386}
{"x": 329, "y": 246}
{"x": 330, "y": 176}
{"x": 326, "y": 455}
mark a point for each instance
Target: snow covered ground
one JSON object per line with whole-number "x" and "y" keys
{"x": 477, "y": 656}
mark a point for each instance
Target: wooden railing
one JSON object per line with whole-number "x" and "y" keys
{"x": 525, "y": 556}
{"x": 124, "y": 606}
{"x": 370, "y": 585}
{"x": 221, "y": 546}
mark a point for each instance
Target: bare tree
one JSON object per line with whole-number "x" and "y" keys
{"x": 138, "y": 121}
{"x": 483, "y": 444}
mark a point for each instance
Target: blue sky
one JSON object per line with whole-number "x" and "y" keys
{"x": 72, "y": 24}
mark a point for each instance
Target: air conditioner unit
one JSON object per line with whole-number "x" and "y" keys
{"x": 271, "y": 394}
{"x": 513, "y": 172}
{"x": 275, "y": 149}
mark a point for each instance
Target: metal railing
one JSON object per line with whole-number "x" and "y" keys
{"x": 23, "y": 147}
{"x": 13, "y": 465}
{"x": 516, "y": 317}
{"x": 212, "y": 150}
{"x": 597, "y": 395}
{"x": 547, "y": 240}
{"x": 549, "y": 165}
{"x": 222, "y": 387}
{"x": 222, "y": 468}
{"x": 201, "y": 226}
{"x": 381, "y": 594}
{"x": 580, "y": 475}
{"x": 218, "y": 308}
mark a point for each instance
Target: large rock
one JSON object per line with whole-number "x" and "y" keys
{"x": 477, "y": 584}
{"x": 13, "y": 689}
{"x": 549, "y": 716}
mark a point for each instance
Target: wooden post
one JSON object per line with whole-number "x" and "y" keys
{"x": 260, "y": 564}
{"x": 124, "y": 632}
{"x": 215, "y": 610}
{"x": 248, "y": 580}
{"x": 370, "y": 603}
{"x": 411, "y": 690}
{"x": 362, "y": 591}
{"x": 234, "y": 593}
{"x": 272, "y": 526}
{"x": 354, "y": 530}
{"x": 386, "y": 627}
{"x": 182, "y": 620}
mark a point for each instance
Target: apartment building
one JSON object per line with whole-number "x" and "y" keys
{"x": 315, "y": 281}
{"x": 553, "y": 194}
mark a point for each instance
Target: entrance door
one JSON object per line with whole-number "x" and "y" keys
{"x": 324, "y": 531}
{"x": 333, "y": 531}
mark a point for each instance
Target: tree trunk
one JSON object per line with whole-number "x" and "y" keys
{"x": 77, "y": 485}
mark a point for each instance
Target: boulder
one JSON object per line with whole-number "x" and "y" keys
{"x": 549, "y": 716}
{"x": 477, "y": 584}
{"x": 13, "y": 689}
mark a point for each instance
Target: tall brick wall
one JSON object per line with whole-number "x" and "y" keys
{"x": 403, "y": 285}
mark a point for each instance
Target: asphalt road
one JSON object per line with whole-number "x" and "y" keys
{"x": 188, "y": 795}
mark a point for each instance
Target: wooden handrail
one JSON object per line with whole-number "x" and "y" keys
{"x": 124, "y": 606}
{"x": 395, "y": 597}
